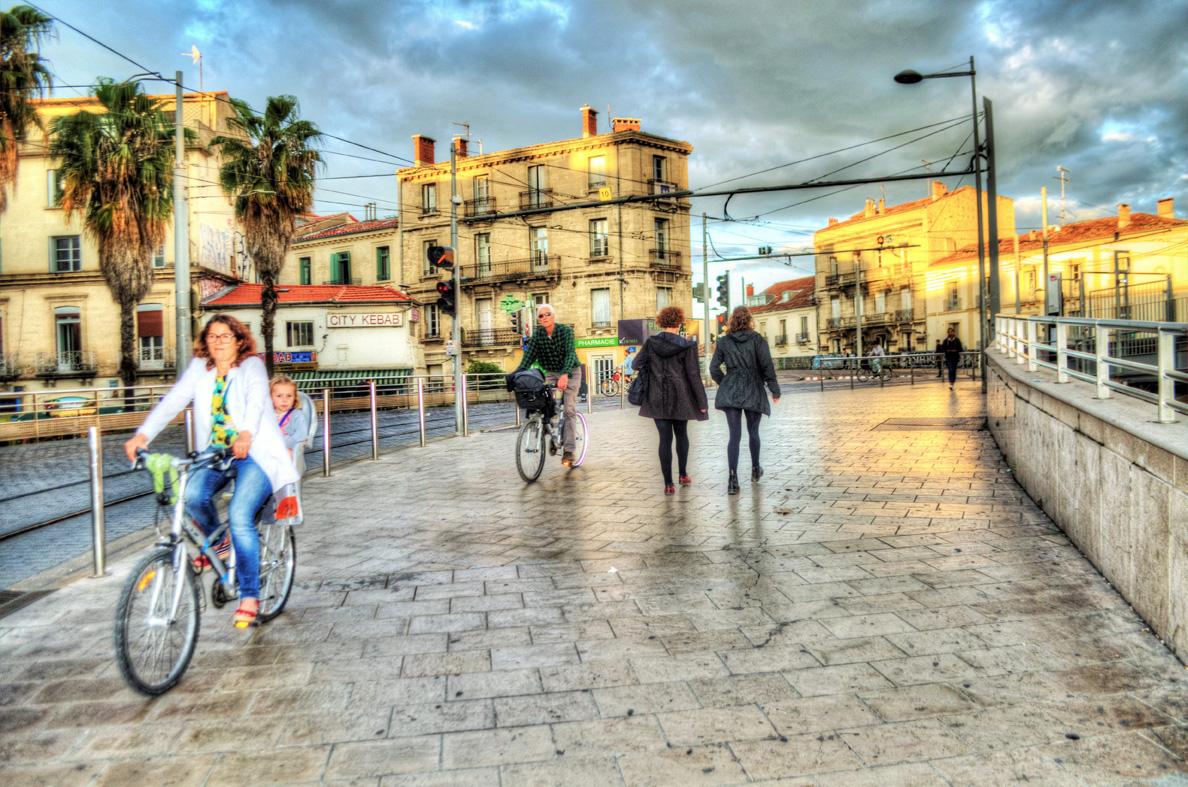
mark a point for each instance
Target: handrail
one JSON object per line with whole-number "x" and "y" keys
{"x": 1018, "y": 337}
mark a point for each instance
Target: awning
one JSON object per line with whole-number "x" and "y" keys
{"x": 342, "y": 378}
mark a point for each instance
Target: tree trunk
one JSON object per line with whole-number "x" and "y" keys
{"x": 128, "y": 349}
{"x": 268, "y": 323}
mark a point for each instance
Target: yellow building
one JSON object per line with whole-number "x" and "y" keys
{"x": 786, "y": 315}
{"x": 340, "y": 249}
{"x": 597, "y": 265}
{"x": 59, "y": 326}
{"x": 878, "y": 267}
{"x": 1127, "y": 266}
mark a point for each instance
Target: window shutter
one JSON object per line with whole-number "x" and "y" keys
{"x": 150, "y": 323}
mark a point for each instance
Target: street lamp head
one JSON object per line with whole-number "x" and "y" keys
{"x": 909, "y": 77}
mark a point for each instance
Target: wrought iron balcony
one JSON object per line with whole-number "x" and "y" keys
{"x": 490, "y": 337}
{"x": 155, "y": 358}
{"x": 536, "y": 198}
{"x": 904, "y": 315}
{"x": 802, "y": 338}
{"x": 664, "y": 258}
{"x": 781, "y": 340}
{"x": 73, "y": 363}
{"x": 477, "y": 208}
{"x": 10, "y": 366}
{"x": 833, "y": 323}
{"x": 540, "y": 266}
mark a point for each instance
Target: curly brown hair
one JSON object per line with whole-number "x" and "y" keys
{"x": 670, "y": 317}
{"x": 741, "y": 319}
{"x": 245, "y": 342}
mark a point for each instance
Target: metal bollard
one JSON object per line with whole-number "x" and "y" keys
{"x": 623, "y": 393}
{"x": 465, "y": 407}
{"x": 374, "y": 420}
{"x": 189, "y": 427}
{"x": 517, "y": 406}
{"x": 421, "y": 409}
{"x": 325, "y": 431}
{"x": 98, "y": 524}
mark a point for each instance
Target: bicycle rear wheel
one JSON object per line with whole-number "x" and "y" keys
{"x": 581, "y": 439}
{"x": 608, "y": 387}
{"x": 153, "y": 644}
{"x": 278, "y": 566}
{"x": 530, "y": 449}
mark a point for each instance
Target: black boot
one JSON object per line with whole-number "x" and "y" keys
{"x": 732, "y": 483}
{"x": 756, "y": 473}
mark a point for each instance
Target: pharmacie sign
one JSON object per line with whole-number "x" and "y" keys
{"x": 364, "y": 320}
{"x": 597, "y": 341}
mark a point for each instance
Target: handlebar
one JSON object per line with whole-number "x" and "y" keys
{"x": 204, "y": 458}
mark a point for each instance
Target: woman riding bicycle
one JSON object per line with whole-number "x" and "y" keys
{"x": 228, "y": 386}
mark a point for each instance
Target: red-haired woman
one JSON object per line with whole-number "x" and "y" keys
{"x": 740, "y": 389}
{"x": 228, "y": 385}
{"x": 675, "y": 393}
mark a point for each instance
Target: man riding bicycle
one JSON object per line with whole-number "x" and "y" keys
{"x": 552, "y": 347}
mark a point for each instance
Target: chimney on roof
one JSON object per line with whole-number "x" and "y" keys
{"x": 869, "y": 210}
{"x": 369, "y": 211}
{"x": 589, "y": 121}
{"x": 423, "y": 150}
{"x": 460, "y": 144}
{"x": 882, "y": 205}
{"x": 832, "y": 221}
{"x": 1123, "y": 215}
{"x": 625, "y": 124}
{"x": 1166, "y": 208}
{"x": 938, "y": 190}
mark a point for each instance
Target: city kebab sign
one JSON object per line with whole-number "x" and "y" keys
{"x": 364, "y": 320}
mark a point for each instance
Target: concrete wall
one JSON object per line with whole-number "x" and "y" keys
{"x": 1111, "y": 478}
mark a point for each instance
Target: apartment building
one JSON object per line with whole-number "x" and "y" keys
{"x": 876, "y": 270}
{"x": 341, "y": 249}
{"x": 597, "y": 265}
{"x": 786, "y": 315}
{"x": 59, "y": 326}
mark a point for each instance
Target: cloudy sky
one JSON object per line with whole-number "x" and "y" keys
{"x": 1096, "y": 87}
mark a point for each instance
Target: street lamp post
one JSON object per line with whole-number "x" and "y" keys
{"x": 910, "y": 77}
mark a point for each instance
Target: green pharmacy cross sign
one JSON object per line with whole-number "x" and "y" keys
{"x": 511, "y": 304}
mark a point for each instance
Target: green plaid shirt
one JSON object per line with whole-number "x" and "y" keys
{"x": 556, "y": 354}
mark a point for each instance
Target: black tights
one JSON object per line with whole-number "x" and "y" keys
{"x": 667, "y": 427}
{"x": 734, "y": 421}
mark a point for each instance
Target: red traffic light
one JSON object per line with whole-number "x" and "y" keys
{"x": 441, "y": 257}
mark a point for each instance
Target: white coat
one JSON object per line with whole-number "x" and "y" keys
{"x": 249, "y": 404}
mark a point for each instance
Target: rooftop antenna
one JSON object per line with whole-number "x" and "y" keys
{"x": 1064, "y": 180}
{"x": 196, "y": 57}
{"x": 463, "y": 125}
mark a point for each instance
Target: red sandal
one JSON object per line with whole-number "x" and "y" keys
{"x": 244, "y": 618}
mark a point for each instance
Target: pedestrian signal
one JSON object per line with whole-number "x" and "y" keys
{"x": 440, "y": 257}
{"x": 447, "y": 302}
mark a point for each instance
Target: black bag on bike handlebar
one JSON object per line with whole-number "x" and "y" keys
{"x": 532, "y": 394}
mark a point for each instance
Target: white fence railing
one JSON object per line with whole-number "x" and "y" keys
{"x": 1091, "y": 350}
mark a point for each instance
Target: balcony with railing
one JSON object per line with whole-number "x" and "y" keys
{"x": 781, "y": 340}
{"x": 10, "y": 366}
{"x": 664, "y": 259}
{"x": 904, "y": 315}
{"x": 540, "y": 266}
{"x": 155, "y": 359}
{"x": 490, "y": 337}
{"x": 536, "y": 198}
{"x": 833, "y": 323}
{"x": 72, "y": 363}
{"x": 802, "y": 338}
{"x": 478, "y": 208}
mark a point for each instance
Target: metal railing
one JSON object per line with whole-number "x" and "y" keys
{"x": 489, "y": 337}
{"x": 539, "y": 266}
{"x": 664, "y": 258}
{"x": 10, "y": 366}
{"x": 483, "y": 206}
{"x": 1091, "y": 351}
{"x": 781, "y": 339}
{"x": 156, "y": 358}
{"x": 67, "y": 363}
{"x": 536, "y": 198}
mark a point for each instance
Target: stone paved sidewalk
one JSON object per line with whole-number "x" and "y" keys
{"x": 885, "y": 607}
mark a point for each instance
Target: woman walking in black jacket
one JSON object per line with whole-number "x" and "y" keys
{"x": 675, "y": 394}
{"x": 740, "y": 389}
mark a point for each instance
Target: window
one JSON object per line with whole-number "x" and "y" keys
{"x": 482, "y": 195}
{"x": 539, "y": 297}
{"x": 835, "y": 308}
{"x": 661, "y": 228}
{"x": 659, "y": 168}
{"x": 66, "y": 254}
{"x": 905, "y": 300}
{"x": 428, "y": 199}
{"x": 427, "y": 268}
{"x": 299, "y": 333}
{"x": 305, "y": 265}
{"x": 53, "y": 189}
{"x": 880, "y": 302}
{"x": 383, "y": 263}
{"x": 340, "y": 267}
{"x": 538, "y": 193}
{"x": 804, "y": 331}
{"x": 952, "y": 296}
{"x": 600, "y": 306}
{"x": 68, "y": 334}
{"x": 599, "y": 238}
{"x": 538, "y": 242}
{"x": 150, "y": 333}
{"x": 597, "y": 173}
{"x": 663, "y": 297}
{"x": 763, "y": 328}
{"x": 159, "y": 256}
{"x": 482, "y": 253}
{"x": 432, "y": 321}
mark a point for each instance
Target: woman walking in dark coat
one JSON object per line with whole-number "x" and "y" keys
{"x": 675, "y": 394}
{"x": 740, "y": 389}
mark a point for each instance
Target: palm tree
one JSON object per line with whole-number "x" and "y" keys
{"x": 23, "y": 75}
{"x": 116, "y": 173}
{"x": 268, "y": 171}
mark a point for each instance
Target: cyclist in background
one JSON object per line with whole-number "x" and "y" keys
{"x": 876, "y": 361}
{"x": 552, "y": 348}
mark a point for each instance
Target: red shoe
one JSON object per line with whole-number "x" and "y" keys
{"x": 669, "y": 489}
{"x": 685, "y": 480}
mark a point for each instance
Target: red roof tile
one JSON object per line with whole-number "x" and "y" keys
{"x": 900, "y": 208}
{"x": 349, "y": 228}
{"x": 251, "y": 294}
{"x": 800, "y": 294}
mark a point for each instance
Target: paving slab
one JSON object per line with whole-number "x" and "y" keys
{"x": 883, "y": 607}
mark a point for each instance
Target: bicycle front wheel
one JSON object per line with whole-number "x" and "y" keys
{"x": 608, "y": 387}
{"x": 278, "y": 566}
{"x": 530, "y": 449}
{"x": 157, "y": 620}
{"x": 581, "y": 439}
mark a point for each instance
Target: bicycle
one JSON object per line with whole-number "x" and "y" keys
{"x": 158, "y": 614}
{"x": 539, "y": 434}
{"x": 875, "y": 371}
{"x": 610, "y": 384}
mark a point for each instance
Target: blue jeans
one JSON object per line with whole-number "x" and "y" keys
{"x": 252, "y": 490}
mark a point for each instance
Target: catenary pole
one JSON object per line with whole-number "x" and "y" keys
{"x": 995, "y": 285}
{"x": 181, "y": 234}
{"x": 457, "y": 334}
{"x": 705, "y": 327}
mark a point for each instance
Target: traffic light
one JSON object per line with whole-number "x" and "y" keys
{"x": 724, "y": 291}
{"x": 447, "y": 302}
{"x": 440, "y": 257}
{"x": 517, "y": 325}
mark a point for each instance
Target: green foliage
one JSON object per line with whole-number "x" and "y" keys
{"x": 23, "y": 76}
{"x": 489, "y": 368}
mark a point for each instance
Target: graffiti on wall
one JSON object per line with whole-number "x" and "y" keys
{"x": 214, "y": 248}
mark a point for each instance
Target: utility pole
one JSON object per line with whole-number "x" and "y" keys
{"x": 705, "y": 290}
{"x": 181, "y": 234}
{"x": 992, "y": 221}
{"x": 1044, "y": 229}
{"x": 457, "y": 333}
{"x": 1063, "y": 178}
